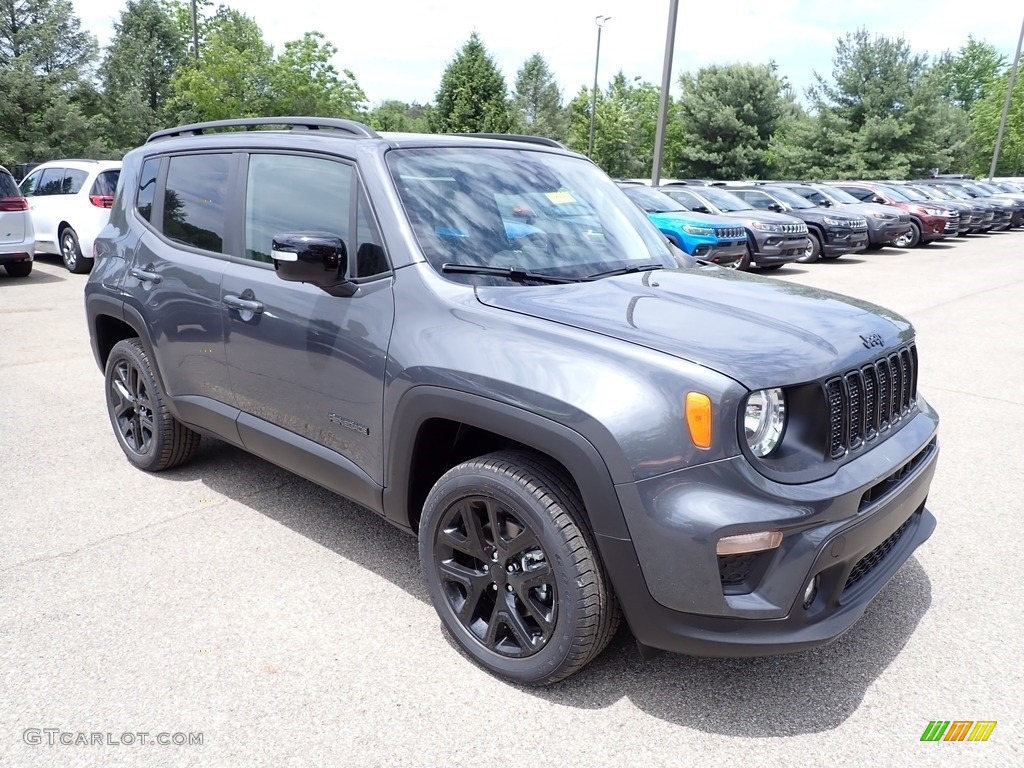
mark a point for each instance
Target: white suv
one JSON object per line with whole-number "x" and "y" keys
{"x": 17, "y": 241}
{"x": 70, "y": 202}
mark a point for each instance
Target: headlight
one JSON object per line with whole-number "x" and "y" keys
{"x": 692, "y": 229}
{"x": 764, "y": 420}
{"x": 836, "y": 222}
{"x": 936, "y": 212}
{"x": 765, "y": 226}
{"x": 881, "y": 215}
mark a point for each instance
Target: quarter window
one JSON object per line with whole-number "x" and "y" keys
{"x": 194, "y": 200}
{"x": 73, "y": 181}
{"x": 292, "y": 193}
{"x": 147, "y": 189}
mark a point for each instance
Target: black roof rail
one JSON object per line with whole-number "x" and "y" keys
{"x": 327, "y": 124}
{"x": 543, "y": 141}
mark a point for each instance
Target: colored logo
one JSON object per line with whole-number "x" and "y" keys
{"x": 958, "y": 730}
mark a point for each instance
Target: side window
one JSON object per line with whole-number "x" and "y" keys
{"x": 147, "y": 188}
{"x": 73, "y": 182}
{"x": 29, "y": 183}
{"x": 105, "y": 184}
{"x": 292, "y": 193}
{"x": 759, "y": 200}
{"x": 370, "y": 258}
{"x": 50, "y": 182}
{"x": 194, "y": 200}
{"x": 7, "y": 186}
{"x": 859, "y": 193}
{"x": 816, "y": 197}
{"x": 687, "y": 198}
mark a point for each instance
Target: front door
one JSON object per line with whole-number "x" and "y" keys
{"x": 299, "y": 358}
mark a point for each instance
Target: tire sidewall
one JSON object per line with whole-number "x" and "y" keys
{"x": 125, "y": 350}
{"x": 481, "y": 482}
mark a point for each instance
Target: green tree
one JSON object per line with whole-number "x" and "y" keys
{"x": 538, "y": 101}
{"x": 48, "y": 36}
{"x": 394, "y": 115}
{"x": 233, "y": 75}
{"x": 624, "y": 125}
{"x": 146, "y": 50}
{"x": 882, "y": 111}
{"x": 728, "y": 115}
{"x": 304, "y": 82}
{"x": 473, "y": 97}
{"x": 984, "y": 120}
{"x": 964, "y": 76}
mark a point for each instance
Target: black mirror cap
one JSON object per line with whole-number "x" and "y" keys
{"x": 319, "y": 258}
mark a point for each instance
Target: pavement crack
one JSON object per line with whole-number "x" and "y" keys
{"x": 975, "y": 394}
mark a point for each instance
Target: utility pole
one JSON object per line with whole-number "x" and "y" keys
{"x": 666, "y": 85}
{"x": 195, "y": 31}
{"x": 1006, "y": 105}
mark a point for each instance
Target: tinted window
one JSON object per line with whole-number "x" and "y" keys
{"x": 859, "y": 193}
{"x": 29, "y": 183}
{"x": 685, "y": 198}
{"x": 147, "y": 189}
{"x": 653, "y": 201}
{"x": 50, "y": 182}
{"x": 106, "y": 183}
{"x": 370, "y": 258}
{"x": 194, "y": 200}
{"x": 73, "y": 181}
{"x": 289, "y": 193}
{"x": 757, "y": 199}
{"x": 7, "y": 186}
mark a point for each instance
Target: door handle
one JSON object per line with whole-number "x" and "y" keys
{"x": 145, "y": 276}
{"x": 247, "y": 305}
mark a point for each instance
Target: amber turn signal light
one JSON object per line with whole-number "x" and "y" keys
{"x": 698, "y": 418}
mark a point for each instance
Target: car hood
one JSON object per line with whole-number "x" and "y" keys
{"x": 759, "y": 331}
{"x": 679, "y": 218}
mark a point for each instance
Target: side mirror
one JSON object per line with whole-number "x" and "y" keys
{"x": 700, "y": 209}
{"x": 775, "y": 207}
{"x": 319, "y": 258}
{"x": 825, "y": 203}
{"x": 877, "y": 199}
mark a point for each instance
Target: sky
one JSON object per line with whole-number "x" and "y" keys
{"x": 399, "y": 49}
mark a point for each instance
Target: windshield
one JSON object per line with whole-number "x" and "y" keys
{"x": 725, "y": 201}
{"x": 653, "y": 201}
{"x": 931, "y": 193}
{"x": 895, "y": 194}
{"x": 836, "y": 195}
{"x": 954, "y": 191}
{"x": 913, "y": 194}
{"x": 522, "y": 210}
{"x": 792, "y": 199}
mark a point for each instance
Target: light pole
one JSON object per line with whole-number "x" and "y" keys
{"x": 195, "y": 31}
{"x": 666, "y": 85}
{"x": 1006, "y": 105}
{"x": 600, "y": 21}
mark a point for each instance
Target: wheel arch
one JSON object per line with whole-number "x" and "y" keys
{"x": 434, "y": 429}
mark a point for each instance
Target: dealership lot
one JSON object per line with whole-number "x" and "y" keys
{"x": 287, "y": 627}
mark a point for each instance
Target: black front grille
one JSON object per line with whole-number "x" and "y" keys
{"x": 794, "y": 229}
{"x": 867, "y": 563}
{"x": 864, "y": 403}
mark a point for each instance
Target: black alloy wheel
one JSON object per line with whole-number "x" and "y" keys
{"x": 512, "y": 570}
{"x": 151, "y": 438}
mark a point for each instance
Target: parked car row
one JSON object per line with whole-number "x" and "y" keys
{"x": 59, "y": 208}
{"x": 786, "y": 221}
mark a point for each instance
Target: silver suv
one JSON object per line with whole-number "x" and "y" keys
{"x": 17, "y": 240}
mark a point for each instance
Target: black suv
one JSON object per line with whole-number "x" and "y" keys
{"x": 831, "y": 233}
{"x": 577, "y": 421}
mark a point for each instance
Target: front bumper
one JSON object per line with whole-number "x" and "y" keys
{"x": 777, "y": 248}
{"x": 843, "y": 240}
{"x": 722, "y": 252}
{"x": 852, "y": 531}
{"x": 933, "y": 227}
{"x": 887, "y": 231}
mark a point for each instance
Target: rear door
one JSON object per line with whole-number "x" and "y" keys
{"x": 174, "y": 279}
{"x": 300, "y": 359}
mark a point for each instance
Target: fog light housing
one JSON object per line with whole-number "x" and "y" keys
{"x": 810, "y": 592}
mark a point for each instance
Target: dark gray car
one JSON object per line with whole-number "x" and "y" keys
{"x": 773, "y": 239}
{"x": 886, "y": 223}
{"x": 580, "y": 424}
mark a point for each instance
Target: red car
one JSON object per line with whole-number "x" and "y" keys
{"x": 930, "y": 220}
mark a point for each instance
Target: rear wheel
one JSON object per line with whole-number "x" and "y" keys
{"x": 19, "y": 268}
{"x": 512, "y": 569}
{"x": 149, "y": 435}
{"x": 71, "y": 252}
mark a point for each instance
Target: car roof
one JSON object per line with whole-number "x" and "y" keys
{"x": 79, "y": 164}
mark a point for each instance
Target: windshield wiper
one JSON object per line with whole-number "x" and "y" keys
{"x": 512, "y": 273}
{"x": 625, "y": 271}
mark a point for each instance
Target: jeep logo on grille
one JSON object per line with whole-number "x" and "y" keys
{"x": 872, "y": 340}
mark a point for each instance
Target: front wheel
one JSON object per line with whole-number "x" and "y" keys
{"x": 742, "y": 264}
{"x": 813, "y": 250}
{"x": 512, "y": 569}
{"x": 911, "y": 239}
{"x": 71, "y": 253}
{"x": 147, "y": 432}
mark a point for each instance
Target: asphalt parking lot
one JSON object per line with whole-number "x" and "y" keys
{"x": 287, "y": 627}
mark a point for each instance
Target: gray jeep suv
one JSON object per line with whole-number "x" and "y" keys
{"x": 578, "y": 422}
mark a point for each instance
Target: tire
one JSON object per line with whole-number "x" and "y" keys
{"x": 813, "y": 251}
{"x": 911, "y": 240}
{"x": 742, "y": 264}
{"x": 71, "y": 253}
{"x": 19, "y": 268}
{"x": 535, "y": 629}
{"x": 149, "y": 435}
